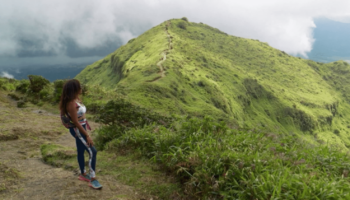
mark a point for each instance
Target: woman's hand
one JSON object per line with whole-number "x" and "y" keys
{"x": 89, "y": 141}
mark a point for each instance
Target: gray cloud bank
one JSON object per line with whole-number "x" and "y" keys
{"x": 81, "y": 28}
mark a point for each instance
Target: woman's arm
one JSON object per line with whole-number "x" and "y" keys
{"x": 72, "y": 110}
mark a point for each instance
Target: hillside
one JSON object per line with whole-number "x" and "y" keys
{"x": 32, "y": 138}
{"x": 189, "y": 68}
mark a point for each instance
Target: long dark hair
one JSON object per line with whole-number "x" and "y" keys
{"x": 71, "y": 90}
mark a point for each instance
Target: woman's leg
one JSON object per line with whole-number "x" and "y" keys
{"x": 82, "y": 144}
{"x": 80, "y": 151}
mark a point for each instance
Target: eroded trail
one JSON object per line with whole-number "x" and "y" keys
{"x": 23, "y": 174}
{"x": 164, "y": 53}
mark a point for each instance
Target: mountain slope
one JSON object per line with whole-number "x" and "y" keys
{"x": 189, "y": 68}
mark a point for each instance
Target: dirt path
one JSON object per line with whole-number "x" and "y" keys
{"x": 41, "y": 181}
{"x": 23, "y": 174}
{"x": 159, "y": 64}
{"x": 164, "y": 53}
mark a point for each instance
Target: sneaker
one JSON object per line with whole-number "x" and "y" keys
{"x": 84, "y": 178}
{"x": 95, "y": 184}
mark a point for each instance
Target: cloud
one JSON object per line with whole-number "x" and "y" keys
{"x": 7, "y": 75}
{"x": 42, "y": 28}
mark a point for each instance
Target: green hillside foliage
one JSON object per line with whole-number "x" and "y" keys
{"x": 7, "y": 84}
{"x": 191, "y": 68}
{"x": 216, "y": 162}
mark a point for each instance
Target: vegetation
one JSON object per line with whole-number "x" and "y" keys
{"x": 185, "y": 19}
{"x": 214, "y": 161}
{"x": 288, "y": 126}
{"x": 241, "y": 81}
{"x": 23, "y": 86}
{"x": 132, "y": 170}
{"x": 229, "y": 117}
{"x": 8, "y": 177}
{"x": 121, "y": 116}
{"x": 7, "y": 84}
{"x": 182, "y": 25}
{"x": 37, "y": 83}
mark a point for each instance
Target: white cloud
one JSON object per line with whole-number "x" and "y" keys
{"x": 286, "y": 25}
{"x": 7, "y": 75}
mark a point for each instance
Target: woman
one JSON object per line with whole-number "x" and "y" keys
{"x": 71, "y": 105}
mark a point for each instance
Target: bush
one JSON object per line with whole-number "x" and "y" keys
{"x": 336, "y": 131}
{"x": 121, "y": 115}
{"x": 131, "y": 40}
{"x": 93, "y": 107}
{"x": 13, "y": 96}
{"x": 7, "y": 84}
{"x": 37, "y": 83}
{"x": 23, "y": 86}
{"x": 58, "y": 87}
{"x": 185, "y": 19}
{"x": 44, "y": 94}
{"x": 182, "y": 25}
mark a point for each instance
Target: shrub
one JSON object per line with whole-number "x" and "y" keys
{"x": 201, "y": 84}
{"x": 336, "y": 131}
{"x": 93, "y": 107}
{"x": 7, "y": 84}
{"x": 120, "y": 116}
{"x": 131, "y": 40}
{"x": 37, "y": 83}
{"x": 23, "y": 86}
{"x": 182, "y": 25}
{"x": 58, "y": 87}
{"x": 44, "y": 94}
{"x": 185, "y": 19}
{"x": 13, "y": 96}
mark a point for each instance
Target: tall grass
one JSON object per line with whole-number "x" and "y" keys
{"x": 215, "y": 161}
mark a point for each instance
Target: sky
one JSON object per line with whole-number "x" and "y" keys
{"x": 61, "y": 32}
{"x": 331, "y": 41}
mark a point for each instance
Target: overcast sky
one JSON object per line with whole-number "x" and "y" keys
{"x": 44, "y": 32}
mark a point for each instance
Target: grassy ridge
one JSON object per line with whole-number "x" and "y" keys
{"x": 244, "y": 81}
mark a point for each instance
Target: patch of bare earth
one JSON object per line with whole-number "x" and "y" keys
{"x": 23, "y": 174}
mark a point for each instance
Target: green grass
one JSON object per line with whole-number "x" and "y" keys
{"x": 241, "y": 81}
{"x": 130, "y": 169}
{"x": 213, "y": 161}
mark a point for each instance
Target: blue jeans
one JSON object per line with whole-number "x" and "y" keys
{"x": 82, "y": 146}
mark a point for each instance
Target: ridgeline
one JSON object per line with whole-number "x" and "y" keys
{"x": 190, "y": 68}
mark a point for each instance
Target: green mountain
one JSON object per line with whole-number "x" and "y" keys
{"x": 190, "y": 68}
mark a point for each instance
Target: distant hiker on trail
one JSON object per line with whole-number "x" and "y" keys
{"x": 73, "y": 117}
